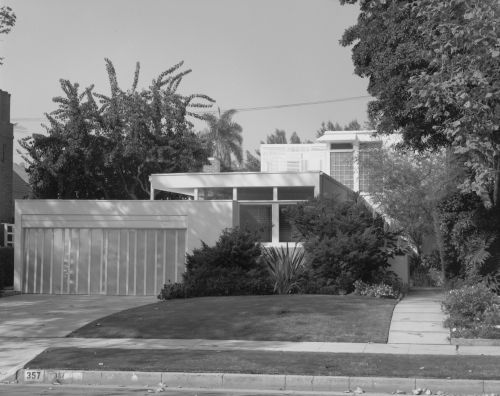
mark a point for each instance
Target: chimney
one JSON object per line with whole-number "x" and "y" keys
{"x": 214, "y": 166}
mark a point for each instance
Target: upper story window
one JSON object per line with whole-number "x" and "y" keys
{"x": 369, "y": 167}
{"x": 295, "y": 193}
{"x": 342, "y": 168}
{"x": 255, "y": 193}
{"x": 341, "y": 146}
{"x": 215, "y": 193}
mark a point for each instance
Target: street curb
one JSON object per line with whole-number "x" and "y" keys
{"x": 256, "y": 382}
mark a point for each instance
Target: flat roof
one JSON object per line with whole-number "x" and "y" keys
{"x": 185, "y": 183}
{"x": 348, "y": 136}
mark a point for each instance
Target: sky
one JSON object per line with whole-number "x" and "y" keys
{"x": 243, "y": 53}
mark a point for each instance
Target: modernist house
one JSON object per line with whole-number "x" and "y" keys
{"x": 134, "y": 247}
{"x": 261, "y": 199}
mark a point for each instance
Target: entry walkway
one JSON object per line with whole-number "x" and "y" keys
{"x": 418, "y": 319}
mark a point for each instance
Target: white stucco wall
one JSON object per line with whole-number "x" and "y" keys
{"x": 204, "y": 220}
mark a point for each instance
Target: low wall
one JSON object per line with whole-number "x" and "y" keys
{"x": 110, "y": 247}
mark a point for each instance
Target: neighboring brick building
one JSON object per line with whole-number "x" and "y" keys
{"x": 20, "y": 183}
{"x": 6, "y": 160}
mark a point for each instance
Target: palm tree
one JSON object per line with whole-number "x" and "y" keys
{"x": 225, "y": 137}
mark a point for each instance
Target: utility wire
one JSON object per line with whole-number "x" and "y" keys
{"x": 240, "y": 109}
{"x": 299, "y": 104}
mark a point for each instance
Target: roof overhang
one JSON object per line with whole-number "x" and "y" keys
{"x": 348, "y": 136}
{"x": 185, "y": 183}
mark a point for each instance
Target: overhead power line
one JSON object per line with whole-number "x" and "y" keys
{"x": 242, "y": 109}
{"x": 299, "y": 104}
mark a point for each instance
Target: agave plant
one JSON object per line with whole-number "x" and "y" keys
{"x": 285, "y": 265}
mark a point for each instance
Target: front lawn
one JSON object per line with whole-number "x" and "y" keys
{"x": 278, "y": 317}
{"x": 266, "y": 362}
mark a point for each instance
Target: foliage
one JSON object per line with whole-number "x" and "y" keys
{"x": 469, "y": 232}
{"x": 171, "y": 291}
{"x": 426, "y": 270}
{"x": 409, "y": 188}
{"x": 225, "y": 137}
{"x": 380, "y": 290}
{"x": 231, "y": 267}
{"x": 101, "y": 146}
{"x": 344, "y": 241}
{"x": 252, "y": 163}
{"x": 285, "y": 266}
{"x": 473, "y": 311}
{"x": 278, "y": 137}
{"x": 354, "y": 125}
{"x": 434, "y": 71}
{"x": 7, "y": 22}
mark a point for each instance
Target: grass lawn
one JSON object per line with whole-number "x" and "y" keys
{"x": 275, "y": 318}
{"x": 263, "y": 362}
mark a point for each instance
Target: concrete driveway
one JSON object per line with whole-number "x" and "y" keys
{"x": 45, "y": 316}
{"x": 29, "y": 323}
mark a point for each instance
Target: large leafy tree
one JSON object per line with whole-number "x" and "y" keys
{"x": 434, "y": 69}
{"x": 100, "y": 146}
{"x": 225, "y": 138}
{"x": 410, "y": 186}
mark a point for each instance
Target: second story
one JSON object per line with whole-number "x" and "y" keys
{"x": 344, "y": 155}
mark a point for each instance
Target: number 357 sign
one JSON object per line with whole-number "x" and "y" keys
{"x": 32, "y": 375}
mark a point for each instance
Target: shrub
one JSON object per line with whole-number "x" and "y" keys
{"x": 231, "y": 267}
{"x": 344, "y": 241}
{"x": 380, "y": 290}
{"x": 172, "y": 290}
{"x": 473, "y": 311}
{"x": 285, "y": 266}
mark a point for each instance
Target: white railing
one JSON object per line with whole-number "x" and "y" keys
{"x": 8, "y": 234}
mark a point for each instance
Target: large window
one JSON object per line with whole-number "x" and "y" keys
{"x": 369, "y": 167}
{"x": 341, "y": 167}
{"x": 215, "y": 193}
{"x": 295, "y": 193}
{"x": 255, "y": 193}
{"x": 257, "y": 218}
{"x": 286, "y": 228}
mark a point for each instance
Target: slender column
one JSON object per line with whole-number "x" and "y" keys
{"x": 355, "y": 165}
{"x": 276, "y": 223}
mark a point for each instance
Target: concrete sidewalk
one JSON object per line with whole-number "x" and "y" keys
{"x": 16, "y": 345}
{"x": 418, "y": 319}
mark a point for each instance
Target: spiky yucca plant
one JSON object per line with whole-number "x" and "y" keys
{"x": 285, "y": 264}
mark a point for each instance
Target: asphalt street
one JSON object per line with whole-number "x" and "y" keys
{"x": 60, "y": 390}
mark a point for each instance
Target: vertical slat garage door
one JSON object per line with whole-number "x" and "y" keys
{"x": 113, "y": 261}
